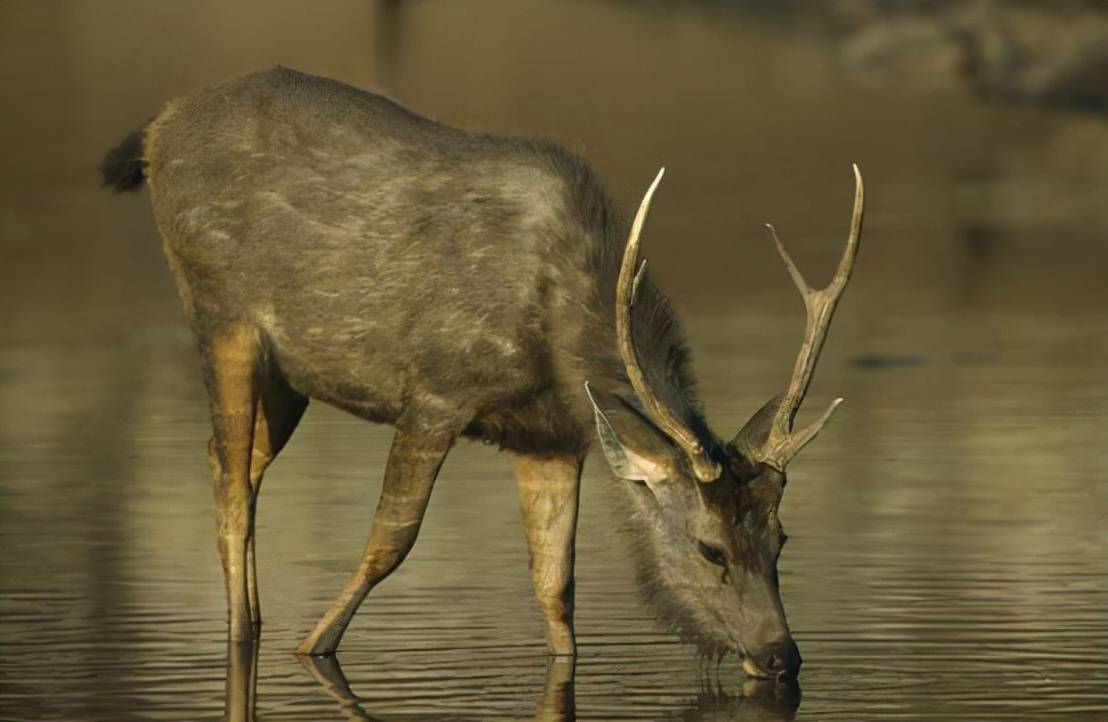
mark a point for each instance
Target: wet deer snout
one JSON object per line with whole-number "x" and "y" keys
{"x": 779, "y": 660}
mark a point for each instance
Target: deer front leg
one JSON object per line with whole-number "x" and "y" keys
{"x": 413, "y": 464}
{"x": 548, "y": 495}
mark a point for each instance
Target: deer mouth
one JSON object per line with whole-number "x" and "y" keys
{"x": 754, "y": 670}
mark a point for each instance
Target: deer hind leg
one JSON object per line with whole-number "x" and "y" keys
{"x": 233, "y": 356}
{"x": 548, "y": 489}
{"x": 276, "y": 414}
{"x": 413, "y": 464}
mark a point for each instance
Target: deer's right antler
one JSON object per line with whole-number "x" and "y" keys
{"x": 780, "y": 444}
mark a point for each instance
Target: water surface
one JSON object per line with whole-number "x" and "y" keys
{"x": 948, "y": 549}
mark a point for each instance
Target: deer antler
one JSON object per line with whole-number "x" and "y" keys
{"x": 781, "y": 444}
{"x": 703, "y": 466}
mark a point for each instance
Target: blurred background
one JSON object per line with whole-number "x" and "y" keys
{"x": 949, "y": 547}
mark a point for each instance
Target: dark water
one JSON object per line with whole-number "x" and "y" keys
{"x": 949, "y": 553}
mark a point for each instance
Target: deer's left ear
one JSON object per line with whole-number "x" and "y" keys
{"x": 635, "y": 448}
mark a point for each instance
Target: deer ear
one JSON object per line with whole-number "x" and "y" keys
{"x": 635, "y": 448}
{"x": 753, "y": 434}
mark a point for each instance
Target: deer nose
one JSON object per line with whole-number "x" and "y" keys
{"x": 781, "y": 660}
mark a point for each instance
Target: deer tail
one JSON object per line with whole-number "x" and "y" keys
{"x": 124, "y": 168}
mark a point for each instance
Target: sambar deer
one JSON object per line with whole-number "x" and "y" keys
{"x": 327, "y": 243}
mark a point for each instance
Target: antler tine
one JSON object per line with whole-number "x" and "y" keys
{"x": 704, "y": 468}
{"x": 782, "y": 445}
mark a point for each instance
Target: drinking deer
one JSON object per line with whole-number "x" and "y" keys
{"x": 327, "y": 243}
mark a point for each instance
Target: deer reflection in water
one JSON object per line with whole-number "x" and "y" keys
{"x": 753, "y": 701}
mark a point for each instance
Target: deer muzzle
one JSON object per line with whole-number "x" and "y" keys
{"x": 778, "y": 661}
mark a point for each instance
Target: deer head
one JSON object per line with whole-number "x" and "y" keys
{"x": 707, "y": 510}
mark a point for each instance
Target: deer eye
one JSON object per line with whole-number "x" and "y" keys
{"x": 712, "y": 554}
